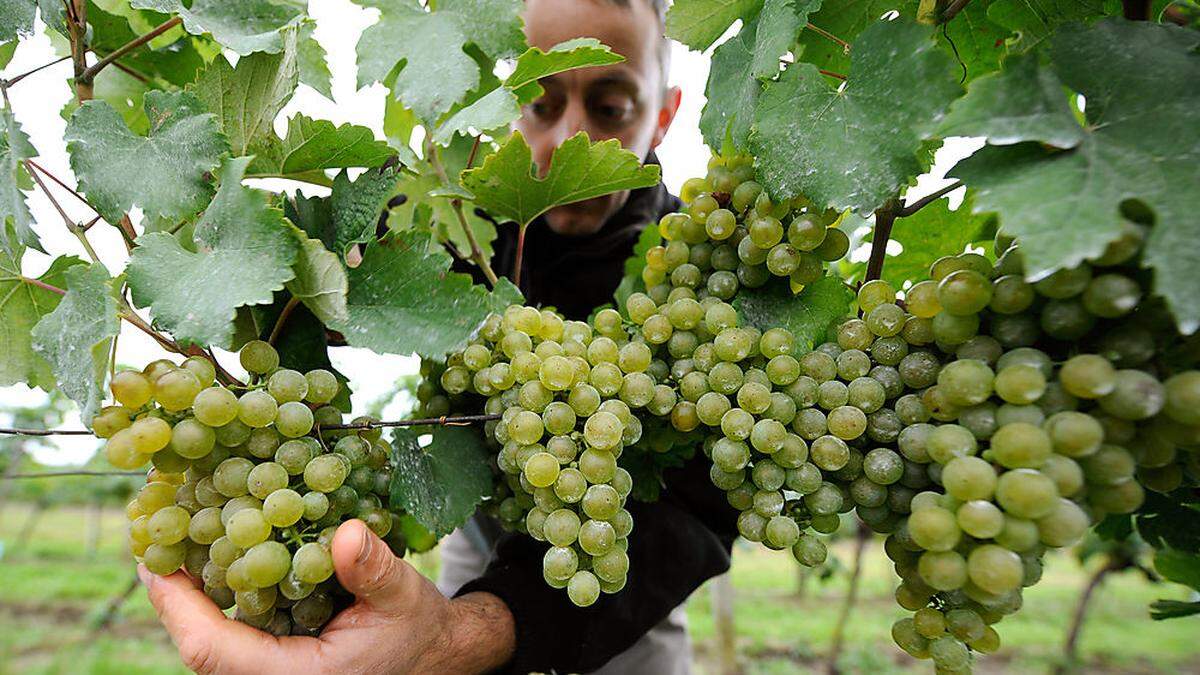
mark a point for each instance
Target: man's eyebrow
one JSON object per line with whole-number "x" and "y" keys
{"x": 617, "y": 81}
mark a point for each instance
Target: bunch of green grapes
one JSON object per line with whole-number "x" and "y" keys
{"x": 1054, "y": 407}
{"x": 567, "y": 393}
{"x": 246, "y": 490}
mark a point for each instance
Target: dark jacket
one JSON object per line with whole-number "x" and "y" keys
{"x": 677, "y": 542}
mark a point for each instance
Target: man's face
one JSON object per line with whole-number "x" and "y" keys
{"x": 626, "y": 101}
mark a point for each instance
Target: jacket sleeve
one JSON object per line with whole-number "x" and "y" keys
{"x": 677, "y": 543}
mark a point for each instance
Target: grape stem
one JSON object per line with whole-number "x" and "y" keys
{"x": 885, "y": 217}
{"x": 431, "y": 152}
{"x": 829, "y": 36}
{"x": 282, "y": 319}
{"x": 921, "y": 203}
{"x": 88, "y": 75}
{"x": 445, "y": 420}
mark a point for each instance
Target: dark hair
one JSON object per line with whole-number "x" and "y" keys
{"x": 664, "y": 44}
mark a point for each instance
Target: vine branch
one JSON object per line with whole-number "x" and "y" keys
{"x": 88, "y": 75}
{"x": 444, "y": 420}
{"x": 928, "y": 199}
{"x": 10, "y": 82}
{"x": 953, "y": 9}
{"x": 476, "y": 252}
{"x": 74, "y": 227}
{"x": 77, "y": 32}
{"x": 885, "y": 217}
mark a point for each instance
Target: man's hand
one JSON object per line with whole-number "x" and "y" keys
{"x": 399, "y": 623}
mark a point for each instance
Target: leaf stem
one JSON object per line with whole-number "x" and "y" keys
{"x": 58, "y": 181}
{"x": 928, "y": 199}
{"x": 18, "y": 78}
{"x": 471, "y": 156}
{"x": 282, "y": 319}
{"x": 476, "y": 252}
{"x": 520, "y": 256}
{"x": 829, "y": 36}
{"x": 126, "y": 312}
{"x": 885, "y": 217}
{"x": 75, "y": 228}
{"x": 43, "y": 285}
{"x": 88, "y": 75}
{"x": 830, "y": 73}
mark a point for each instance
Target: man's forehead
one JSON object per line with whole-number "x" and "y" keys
{"x": 630, "y": 30}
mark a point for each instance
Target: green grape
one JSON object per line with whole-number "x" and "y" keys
{"x": 322, "y": 386}
{"x": 175, "y": 390}
{"x": 781, "y": 532}
{"x": 968, "y": 478}
{"x": 284, "y": 507}
{"x": 560, "y": 562}
{"x": 258, "y": 357}
{"x": 541, "y": 469}
{"x": 834, "y": 247}
{"x": 1111, "y": 295}
{"x": 316, "y": 505}
{"x": 952, "y": 330}
{"x": 601, "y": 502}
{"x": 257, "y": 408}
{"x": 149, "y": 435}
{"x": 131, "y": 389}
{"x": 964, "y": 292}
{"x": 312, "y": 611}
{"x": 966, "y": 382}
{"x": 596, "y": 537}
{"x": 1026, "y": 493}
{"x": 1065, "y": 283}
{"x": 215, "y": 406}
{"x": 1088, "y": 376}
{"x": 934, "y": 529}
{"x": 163, "y": 559}
{"x": 829, "y": 453}
{"x": 267, "y": 563}
{"x": 1109, "y": 465}
{"x": 583, "y": 589}
{"x": 325, "y": 473}
{"x": 294, "y": 455}
{"x": 1183, "y": 398}
{"x": 1020, "y": 384}
{"x": 942, "y": 570}
{"x": 886, "y": 320}
{"x": 995, "y": 569}
{"x": 805, "y": 232}
{"x": 230, "y": 476}
{"x": 192, "y": 440}
{"x": 247, "y": 527}
{"x": 168, "y": 525}
{"x": 287, "y": 385}
{"x": 948, "y": 441}
{"x": 1064, "y": 525}
{"x": 809, "y": 550}
{"x": 205, "y": 527}
{"x": 1021, "y": 445}
{"x": 825, "y": 500}
{"x": 602, "y": 431}
{"x": 312, "y": 563}
{"x": 294, "y": 419}
{"x": 1136, "y": 395}
{"x": 965, "y": 624}
{"x": 980, "y": 519}
{"x": 847, "y": 422}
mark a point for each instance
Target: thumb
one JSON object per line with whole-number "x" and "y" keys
{"x": 367, "y": 568}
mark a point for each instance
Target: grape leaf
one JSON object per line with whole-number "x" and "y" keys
{"x": 7, "y": 50}
{"x": 778, "y": 25}
{"x": 1139, "y": 143}
{"x": 403, "y": 299}
{"x": 422, "y": 209}
{"x": 162, "y": 172}
{"x": 320, "y": 281}
{"x": 314, "y": 215}
{"x": 1021, "y": 103}
{"x": 974, "y": 39}
{"x": 845, "y": 20}
{"x": 173, "y": 58}
{"x": 433, "y": 43}
{"x": 311, "y": 57}
{"x": 245, "y": 26}
{"x": 931, "y": 233}
{"x": 248, "y": 98}
{"x": 855, "y": 146}
{"x": 15, "y": 218}
{"x": 1173, "y": 609}
{"x": 356, "y": 206}
{"x": 502, "y": 105}
{"x": 22, "y": 305}
{"x": 806, "y": 314}
{"x": 698, "y": 23}
{"x": 732, "y": 91}
{"x": 311, "y": 146}
{"x": 16, "y": 18}
{"x": 493, "y": 25}
{"x": 76, "y": 338}
{"x": 1033, "y": 22}
{"x": 245, "y": 251}
{"x": 442, "y": 483}
{"x": 1178, "y": 566}
{"x": 507, "y": 188}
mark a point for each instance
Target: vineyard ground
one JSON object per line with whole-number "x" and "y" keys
{"x": 50, "y": 593}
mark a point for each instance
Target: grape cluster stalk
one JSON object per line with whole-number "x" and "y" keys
{"x": 246, "y": 491}
{"x": 978, "y": 422}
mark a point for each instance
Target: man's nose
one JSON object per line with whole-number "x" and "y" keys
{"x": 572, "y": 121}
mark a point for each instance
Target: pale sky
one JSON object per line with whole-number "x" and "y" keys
{"x": 38, "y": 99}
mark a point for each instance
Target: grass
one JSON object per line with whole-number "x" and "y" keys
{"x": 51, "y": 592}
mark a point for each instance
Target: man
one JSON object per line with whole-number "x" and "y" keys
{"x": 508, "y": 618}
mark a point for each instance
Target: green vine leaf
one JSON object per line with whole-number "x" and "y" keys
{"x": 731, "y": 92}
{"x": 931, "y": 233}
{"x": 1024, "y": 102}
{"x": 312, "y": 59}
{"x": 312, "y": 145}
{"x": 356, "y": 206}
{"x": 1033, "y": 22}
{"x": 246, "y": 99}
{"x": 1178, "y": 566}
{"x": 855, "y": 146}
{"x": 244, "y": 252}
{"x": 22, "y": 306}
{"x": 16, "y": 18}
{"x": 245, "y": 26}
{"x": 403, "y": 299}
{"x": 778, "y": 25}
{"x": 507, "y": 187}
{"x": 320, "y": 281}
{"x": 428, "y": 205}
{"x": 174, "y": 58}
{"x": 162, "y": 172}
{"x": 1139, "y": 144}
{"x": 974, "y": 39}
{"x": 16, "y": 221}
{"x": 442, "y": 483}
{"x": 807, "y": 314}
{"x": 846, "y": 19}
{"x": 698, "y": 23}
{"x": 434, "y": 43}
{"x": 492, "y": 25}
{"x": 76, "y": 338}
